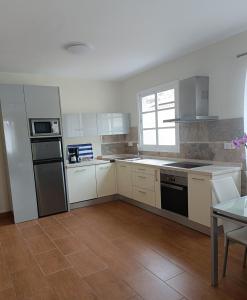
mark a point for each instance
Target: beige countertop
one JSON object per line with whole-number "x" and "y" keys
{"x": 86, "y": 163}
{"x": 211, "y": 170}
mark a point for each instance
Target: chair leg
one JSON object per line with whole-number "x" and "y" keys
{"x": 245, "y": 256}
{"x": 225, "y": 256}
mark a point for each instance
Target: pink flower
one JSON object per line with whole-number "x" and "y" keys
{"x": 238, "y": 142}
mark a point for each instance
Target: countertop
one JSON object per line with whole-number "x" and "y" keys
{"x": 87, "y": 163}
{"x": 211, "y": 170}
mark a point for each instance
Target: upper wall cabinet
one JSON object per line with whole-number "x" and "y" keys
{"x": 42, "y": 102}
{"x": 113, "y": 123}
{"x": 75, "y": 125}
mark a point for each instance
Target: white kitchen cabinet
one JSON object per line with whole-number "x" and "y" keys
{"x": 113, "y": 123}
{"x": 42, "y": 101}
{"x": 201, "y": 197}
{"x": 79, "y": 124}
{"x": 143, "y": 195}
{"x": 106, "y": 179}
{"x": 81, "y": 183}
{"x": 124, "y": 179}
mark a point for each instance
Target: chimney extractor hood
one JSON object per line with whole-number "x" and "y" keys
{"x": 193, "y": 100}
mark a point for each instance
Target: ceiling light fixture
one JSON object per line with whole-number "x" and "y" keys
{"x": 78, "y": 48}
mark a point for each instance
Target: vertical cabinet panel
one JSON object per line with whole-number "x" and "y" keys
{"x": 42, "y": 102}
{"x": 81, "y": 183}
{"x": 76, "y": 125}
{"x": 18, "y": 151}
{"x": 106, "y": 179}
{"x": 124, "y": 180}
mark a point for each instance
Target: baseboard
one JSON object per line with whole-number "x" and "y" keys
{"x": 90, "y": 202}
{"x": 6, "y": 214}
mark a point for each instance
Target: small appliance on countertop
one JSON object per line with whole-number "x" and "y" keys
{"x": 79, "y": 152}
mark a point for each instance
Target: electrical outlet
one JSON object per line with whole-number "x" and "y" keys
{"x": 228, "y": 146}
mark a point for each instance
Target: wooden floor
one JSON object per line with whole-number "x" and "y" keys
{"x": 111, "y": 251}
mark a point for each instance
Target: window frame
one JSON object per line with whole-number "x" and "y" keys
{"x": 155, "y": 90}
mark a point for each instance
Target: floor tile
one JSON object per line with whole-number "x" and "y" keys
{"x": 27, "y": 224}
{"x": 28, "y": 282}
{"x": 71, "y": 222}
{"x": 56, "y": 231}
{"x": 86, "y": 262}
{"x": 193, "y": 288}
{"x": 44, "y": 294}
{"x": 158, "y": 265}
{"x": 150, "y": 287}
{"x": 69, "y": 286}
{"x": 31, "y": 231}
{"x": 16, "y": 254}
{"x": 39, "y": 244}
{"x": 107, "y": 286}
{"x": 47, "y": 221}
{"x": 8, "y": 294}
{"x": 52, "y": 261}
{"x": 5, "y": 279}
{"x": 70, "y": 245}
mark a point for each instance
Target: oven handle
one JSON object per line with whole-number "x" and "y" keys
{"x": 172, "y": 186}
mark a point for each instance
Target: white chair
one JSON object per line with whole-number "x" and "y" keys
{"x": 225, "y": 189}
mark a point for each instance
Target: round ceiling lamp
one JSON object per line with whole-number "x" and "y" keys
{"x": 79, "y": 48}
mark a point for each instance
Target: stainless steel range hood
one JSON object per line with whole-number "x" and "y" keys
{"x": 193, "y": 100}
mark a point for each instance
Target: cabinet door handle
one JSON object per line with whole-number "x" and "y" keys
{"x": 198, "y": 179}
{"x": 142, "y": 177}
{"x": 141, "y": 169}
{"x": 142, "y": 192}
{"x": 80, "y": 171}
{"x": 123, "y": 166}
{"x": 104, "y": 168}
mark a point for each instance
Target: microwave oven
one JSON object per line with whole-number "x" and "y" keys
{"x": 44, "y": 127}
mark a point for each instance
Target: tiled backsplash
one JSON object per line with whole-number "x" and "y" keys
{"x": 198, "y": 140}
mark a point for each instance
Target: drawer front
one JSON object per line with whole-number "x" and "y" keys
{"x": 144, "y": 180}
{"x": 142, "y": 169}
{"x": 144, "y": 196}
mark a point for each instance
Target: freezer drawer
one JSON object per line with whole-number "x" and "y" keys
{"x": 50, "y": 188}
{"x": 46, "y": 148}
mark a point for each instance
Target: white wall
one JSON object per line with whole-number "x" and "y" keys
{"x": 76, "y": 95}
{"x": 226, "y": 72}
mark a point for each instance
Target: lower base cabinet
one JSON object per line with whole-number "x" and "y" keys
{"x": 106, "y": 179}
{"x": 81, "y": 183}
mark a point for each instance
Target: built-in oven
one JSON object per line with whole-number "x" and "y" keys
{"x": 44, "y": 127}
{"x": 174, "y": 191}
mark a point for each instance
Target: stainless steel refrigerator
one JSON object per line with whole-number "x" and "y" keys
{"x": 49, "y": 175}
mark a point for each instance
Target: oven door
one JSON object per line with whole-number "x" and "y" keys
{"x": 174, "y": 198}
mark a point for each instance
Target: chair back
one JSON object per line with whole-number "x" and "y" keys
{"x": 225, "y": 189}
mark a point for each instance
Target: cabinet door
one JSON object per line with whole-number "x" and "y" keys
{"x": 19, "y": 156}
{"x": 199, "y": 199}
{"x": 112, "y": 123}
{"x": 81, "y": 183}
{"x": 124, "y": 180}
{"x": 89, "y": 124}
{"x": 106, "y": 179}
{"x": 71, "y": 125}
{"x": 42, "y": 102}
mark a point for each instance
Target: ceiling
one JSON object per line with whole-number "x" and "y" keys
{"x": 128, "y": 35}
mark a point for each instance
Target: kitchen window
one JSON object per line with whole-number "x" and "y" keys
{"x": 157, "y": 108}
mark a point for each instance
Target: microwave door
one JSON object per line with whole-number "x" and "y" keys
{"x": 42, "y": 127}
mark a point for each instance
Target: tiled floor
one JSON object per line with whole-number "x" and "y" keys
{"x": 111, "y": 251}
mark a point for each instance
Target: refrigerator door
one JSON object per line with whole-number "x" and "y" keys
{"x": 44, "y": 149}
{"x": 50, "y": 188}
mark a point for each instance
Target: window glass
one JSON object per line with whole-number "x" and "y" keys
{"x": 164, "y": 115}
{"x": 149, "y": 137}
{"x": 148, "y": 103}
{"x": 148, "y": 120}
{"x": 164, "y": 97}
{"x": 167, "y": 136}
